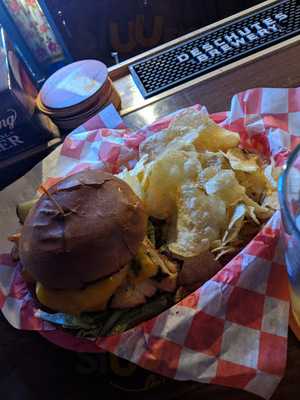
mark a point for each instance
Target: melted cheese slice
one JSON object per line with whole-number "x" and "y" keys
{"x": 147, "y": 268}
{"x": 92, "y": 298}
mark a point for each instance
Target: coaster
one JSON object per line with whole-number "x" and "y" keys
{"x": 73, "y": 85}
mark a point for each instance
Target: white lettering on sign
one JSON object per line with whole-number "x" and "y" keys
{"x": 252, "y": 37}
{"x": 195, "y": 52}
{"x": 234, "y": 39}
{"x": 256, "y": 26}
{"x": 202, "y": 57}
{"x": 207, "y": 47}
{"x": 218, "y": 42}
{"x": 214, "y": 53}
{"x": 244, "y": 31}
{"x": 263, "y": 32}
{"x": 183, "y": 57}
{"x": 9, "y": 119}
{"x": 273, "y": 28}
{"x": 225, "y": 47}
{"x": 268, "y": 22}
{"x": 222, "y": 45}
{"x": 10, "y": 142}
{"x": 281, "y": 16}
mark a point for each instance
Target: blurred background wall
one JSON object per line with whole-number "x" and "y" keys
{"x": 96, "y": 28}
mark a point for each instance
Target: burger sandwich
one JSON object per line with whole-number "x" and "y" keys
{"x": 85, "y": 247}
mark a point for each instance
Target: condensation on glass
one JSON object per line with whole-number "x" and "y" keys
{"x": 289, "y": 195}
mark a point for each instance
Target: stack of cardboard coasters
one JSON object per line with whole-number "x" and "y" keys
{"x": 77, "y": 92}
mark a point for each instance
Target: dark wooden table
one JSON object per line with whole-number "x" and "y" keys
{"x": 31, "y": 368}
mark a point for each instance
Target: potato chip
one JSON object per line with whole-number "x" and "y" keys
{"x": 272, "y": 175}
{"x": 216, "y": 245}
{"x": 235, "y": 224}
{"x": 200, "y": 219}
{"x": 139, "y": 167}
{"x": 181, "y": 133}
{"x": 156, "y": 144}
{"x": 261, "y": 212}
{"x": 135, "y": 176}
{"x": 252, "y": 215}
{"x": 162, "y": 179}
{"x": 189, "y": 119}
{"x": 213, "y": 159}
{"x": 226, "y": 250}
{"x": 213, "y": 194}
{"x": 213, "y": 137}
{"x": 206, "y": 174}
{"x": 133, "y": 182}
{"x": 180, "y": 144}
{"x": 167, "y": 140}
{"x": 271, "y": 201}
{"x": 212, "y": 163}
{"x": 190, "y": 127}
{"x": 216, "y": 250}
{"x": 241, "y": 161}
{"x": 225, "y": 185}
{"x": 255, "y": 183}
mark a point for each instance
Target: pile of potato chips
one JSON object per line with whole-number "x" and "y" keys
{"x": 213, "y": 195}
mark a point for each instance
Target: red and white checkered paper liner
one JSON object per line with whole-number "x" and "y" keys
{"x": 231, "y": 331}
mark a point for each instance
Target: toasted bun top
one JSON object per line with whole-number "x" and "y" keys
{"x": 100, "y": 231}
